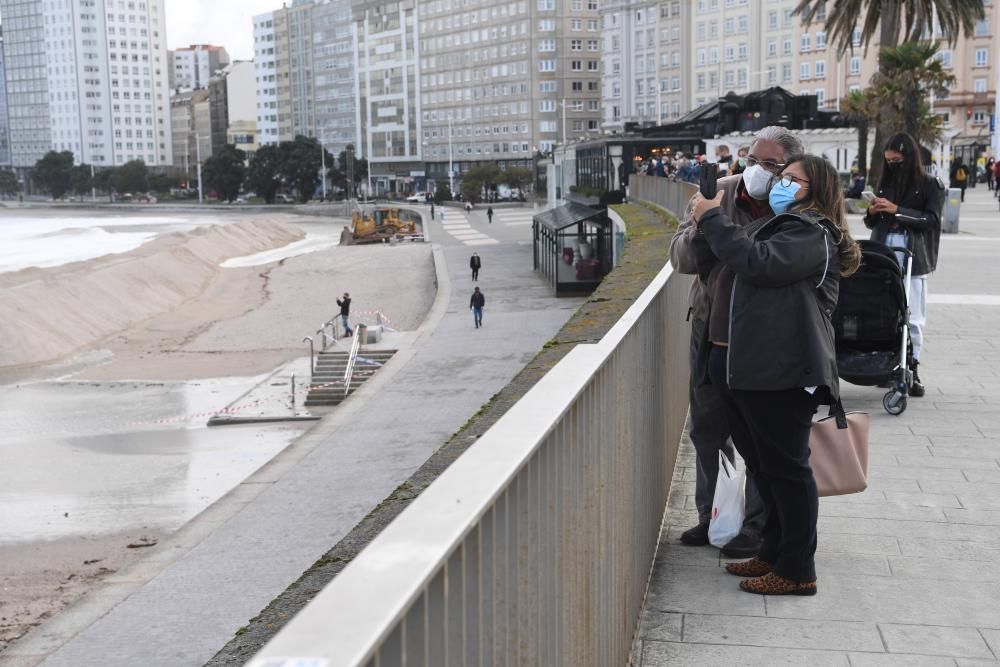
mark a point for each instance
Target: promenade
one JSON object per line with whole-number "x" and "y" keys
{"x": 182, "y": 603}
{"x": 907, "y": 570}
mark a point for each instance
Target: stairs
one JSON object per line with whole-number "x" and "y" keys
{"x": 330, "y": 367}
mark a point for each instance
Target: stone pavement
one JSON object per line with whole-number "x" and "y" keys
{"x": 908, "y": 569}
{"x": 186, "y": 600}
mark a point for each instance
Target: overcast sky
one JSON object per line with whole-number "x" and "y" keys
{"x": 227, "y": 23}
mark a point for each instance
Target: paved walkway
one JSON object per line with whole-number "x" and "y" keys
{"x": 183, "y": 603}
{"x": 907, "y": 570}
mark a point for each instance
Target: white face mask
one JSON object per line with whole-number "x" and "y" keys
{"x": 757, "y": 181}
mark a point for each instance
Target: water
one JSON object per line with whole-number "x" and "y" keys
{"x": 53, "y": 241}
{"x": 89, "y": 458}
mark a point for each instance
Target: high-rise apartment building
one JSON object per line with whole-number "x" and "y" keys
{"x": 195, "y": 65}
{"x": 4, "y": 122}
{"x": 334, "y": 55}
{"x": 87, "y": 76}
{"x": 631, "y": 81}
{"x": 673, "y": 60}
{"x": 502, "y": 81}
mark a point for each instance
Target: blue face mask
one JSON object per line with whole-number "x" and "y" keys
{"x": 782, "y": 196}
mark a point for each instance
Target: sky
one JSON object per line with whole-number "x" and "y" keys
{"x": 227, "y": 23}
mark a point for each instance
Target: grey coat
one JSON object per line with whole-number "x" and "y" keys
{"x": 787, "y": 282}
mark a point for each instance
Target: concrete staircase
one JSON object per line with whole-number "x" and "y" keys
{"x": 330, "y": 367}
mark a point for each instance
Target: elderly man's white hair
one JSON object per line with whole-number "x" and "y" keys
{"x": 783, "y": 137}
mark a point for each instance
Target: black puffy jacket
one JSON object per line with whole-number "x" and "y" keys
{"x": 785, "y": 292}
{"x": 919, "y": 215}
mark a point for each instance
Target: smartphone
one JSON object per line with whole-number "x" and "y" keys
{"x": 709, "y": 180}
{"x": 868, "y": 196}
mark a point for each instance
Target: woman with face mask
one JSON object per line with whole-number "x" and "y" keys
{"x": 773, "y": 355}
{"x": 906, "y": 213}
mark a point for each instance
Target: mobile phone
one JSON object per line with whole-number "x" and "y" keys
{"x": 868, "y": 196}
{"x": 709, "y": 180}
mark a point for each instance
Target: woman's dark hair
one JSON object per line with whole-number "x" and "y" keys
{"x": 906, "y": 176}
{"x": 826, "y": 197}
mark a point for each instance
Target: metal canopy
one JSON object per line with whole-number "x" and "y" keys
{"x": 566, "y": 215}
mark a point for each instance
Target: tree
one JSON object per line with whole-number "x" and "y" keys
{"x": 951, "y": 17}
{"x": 518, "y": 177}
{"x": 909, "y": 74}
{"x": 482, "y": 177}
{"x": 9, "y": 185}
{"x": 264, "y": 175}
{"x": 300, "y": 163}
{"x": 106, "y": 180}
{"x": 858, "y": 110}
{"x": 81, "y": 180}
{"x": 348, "y": 164}
{"x": 442, "y": 192}
{"x": 225, "y": 172}
{"x": 162, "y": 183}
{"x": 133, "y": 176}
{"x": 53, "y": 173}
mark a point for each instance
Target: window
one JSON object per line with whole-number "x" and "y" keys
{"x": 820, "y": 40}
{"x": 701, "y": 31}
{"x": 547, "y": 87}
{"x": 786, "y": 72}
{"x": 855, "y": 65}
{"x": 772, "y": 74}
{"x": 675, "y": 83}
{"x": 546, "y": 65}
{"x": 856, "y": 37}
{"x": 577, "y": 85}
{"x": 979, "y": 86}
{"x": 593, "y": 65}
{"x": 701, "y": 56}
{"x": 574, "y": 45}
{"x": 713, "y": 55}
{"x": 806, "y": 43}
{"x": 820, "y": 98}
{"x": 576, "y": 65}
{"x": 546, "y": 5}
{"x": 945, "y": 57}
{"x": 786, "y": 46}
{"x": 701, "y": 82}
{"x": 978, "y": 117}
{"x": 772, "y": 20}
{"x": 576, "y": 25}
{"x": 730, "y": 54}
{"x": 982, "y": 28}
{"x": 820, "y": 69}
{"x": 546, "y": 106}
{"x": 546, "y": 45}
{"x": 787, "y": 18}
{"x": 546, "y": 25}
{"x": 772, "y": 47}
{"x": 804, "y": 69}
{"x": 743, "y": 23}
{"x": 982, "y": 57}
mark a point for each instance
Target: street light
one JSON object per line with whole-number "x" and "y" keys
{"x": 197, "y": 146}
{"x": 451, "y": 165}
{"x": 322, "y": 157}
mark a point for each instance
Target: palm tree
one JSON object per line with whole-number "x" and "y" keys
{"x": 909, "y": 74}
{"x": 895, "y": 21}
{"x": 858, "y": 110}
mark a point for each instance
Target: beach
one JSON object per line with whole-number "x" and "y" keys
{"x": 103, "y": 359}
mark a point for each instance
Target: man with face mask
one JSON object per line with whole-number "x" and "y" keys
{"x": 745, "y": 201}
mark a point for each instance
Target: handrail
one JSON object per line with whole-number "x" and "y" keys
{"x": 312, "y": 355}
{"x": 535, "y": 546}
{"x": 359, "y": 331}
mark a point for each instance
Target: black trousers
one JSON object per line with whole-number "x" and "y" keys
{"x": 709, "y": 431}
{"x": 771, "y": 432}
{"x": 475, "y": 274}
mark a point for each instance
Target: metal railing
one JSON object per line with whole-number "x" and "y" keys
{"x": 671, "y": 195}
{"x": 535, "y": 546}
{"x": 360, "y": 332}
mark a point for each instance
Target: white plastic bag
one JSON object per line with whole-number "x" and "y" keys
{"x": 727, "y": 505}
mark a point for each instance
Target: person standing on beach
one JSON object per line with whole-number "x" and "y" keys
{"x": 345, "y": 312}
{"x": 476, "y": 305}
{"x": 475, "y": 264}
{"x": 489, "y": 214}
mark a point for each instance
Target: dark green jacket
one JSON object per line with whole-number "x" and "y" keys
{"x": 785, "y": 292}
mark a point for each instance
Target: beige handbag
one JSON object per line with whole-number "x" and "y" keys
{"x": 838, "y": 452}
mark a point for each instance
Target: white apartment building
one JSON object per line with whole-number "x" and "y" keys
{"x": 87, "y": 76}
{"x": 194, "y": 65}
{"x": 630, "y": 88}
{"x": 265, "y": 76}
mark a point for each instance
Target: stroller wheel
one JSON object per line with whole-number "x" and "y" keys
{"x": 894, "y": 402}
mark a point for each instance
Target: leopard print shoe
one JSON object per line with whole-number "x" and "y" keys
{"x": 755, "y": 567}
{"x": 773, "y": 584}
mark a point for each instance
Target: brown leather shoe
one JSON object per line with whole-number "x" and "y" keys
{"x": 755, "y": 567}
{"x": 773, "y": 584}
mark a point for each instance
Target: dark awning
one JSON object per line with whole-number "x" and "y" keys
{"x": 566, "y": 215}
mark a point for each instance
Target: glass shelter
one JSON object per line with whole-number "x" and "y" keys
{"x": 573, "y": 247}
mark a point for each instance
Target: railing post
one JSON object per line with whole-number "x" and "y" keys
{"x": 312, "y": 355}
{"x": 293, "y": 392}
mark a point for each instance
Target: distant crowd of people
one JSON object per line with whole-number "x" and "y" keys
{"x": 687, "y": 168}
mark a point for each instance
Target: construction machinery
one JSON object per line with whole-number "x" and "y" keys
{"x": 379, "y": 225}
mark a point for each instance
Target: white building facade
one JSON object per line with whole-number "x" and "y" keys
{"x": 196, "y": 64}
{"x": 265, "y": 78}
{"x": 90, "y": 77}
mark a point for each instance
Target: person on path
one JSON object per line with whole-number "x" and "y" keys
{"x": 959, "y": 176}
{"x": 345, "y": 312}
{"x": 746, "y": 200}
{"x": 442, "y": 215}
{"x": 996, "y": 179}
{"x": 489, "y": 214}
{"x": 468, "y": 207}
{"x": 773, "y": 358}
{"x": 432, "y": 210}
{"x": 906, "y": 213}
{"x": 475, "y": 264}
{"x": 476, "y": 304}
{"x": 989, "y": 173}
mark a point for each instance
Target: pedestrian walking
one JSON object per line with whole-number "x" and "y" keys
{"x": 489, "y": 214}
{"x": 906, "y": 213}
{"x": 773, "y": 359}
{"x": 746, "y": 200}
{"x": 476, "y": 304}
{"x": 996, "y": 178}
{"x": 468, "y": 207}
{"x": 345, "y": 312}
{"x": 475, "y": 264}
{"x": 432, "y": 210}
{"x": 990, "y": 181}
{"x": 959, "y": 176}
{"x": 442, "y": 215}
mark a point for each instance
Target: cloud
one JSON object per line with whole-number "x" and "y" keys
{"x": 227, "y": 23}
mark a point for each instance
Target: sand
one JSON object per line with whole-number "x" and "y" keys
{"x": 168, "y": 311}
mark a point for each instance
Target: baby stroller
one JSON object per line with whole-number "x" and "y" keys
{"x": 870, "y": 322}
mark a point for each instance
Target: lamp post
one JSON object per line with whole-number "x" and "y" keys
{"x": 322, "y": 157}
{"x": 197, "y": 147}
{"x": 451, "y": 165}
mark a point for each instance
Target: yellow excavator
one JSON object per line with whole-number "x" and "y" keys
{"x": 378, "y": 225}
